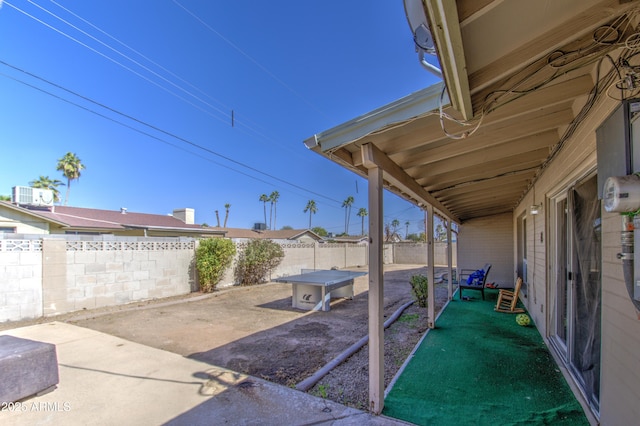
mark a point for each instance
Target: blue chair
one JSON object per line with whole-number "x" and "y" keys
{"x": 473, "y": 279}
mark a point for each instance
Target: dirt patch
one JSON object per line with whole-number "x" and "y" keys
{"x": 255, "y": 330}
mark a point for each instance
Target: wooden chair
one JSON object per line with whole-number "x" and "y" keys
{"x": 507, "y": 300}
{"x": 464, "y": 274}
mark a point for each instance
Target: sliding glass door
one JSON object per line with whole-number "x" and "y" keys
{"x": 575, "y": 285}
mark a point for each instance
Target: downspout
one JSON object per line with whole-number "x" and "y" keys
{"x": 429, "y": 67}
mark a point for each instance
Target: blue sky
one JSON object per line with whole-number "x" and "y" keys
{"x": 142, "y": 91}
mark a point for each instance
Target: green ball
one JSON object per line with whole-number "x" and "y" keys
{"x": 523, "y": 320}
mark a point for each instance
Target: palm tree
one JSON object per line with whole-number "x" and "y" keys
{"x": 406, "y": 230}
{"x": 362, "y": 213}
{"x": 274, "y": 200}
{"x": 391, "y": 230}
{"x": 70, "y": 166}
{"x": 218, "y": 219}
{"x": 312, "y": 209}
{"x": 347, "y": 212}
{"x": 226, "y": 215}
{"x": 264, "y": 198}
{"x": 44, "y": 182}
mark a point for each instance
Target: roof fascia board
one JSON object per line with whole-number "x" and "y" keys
{"x": 445, "y": 29}
{"x": 170, "y": 228}
{"x": 33, "y": 214}
{"x": 419, "y": 103}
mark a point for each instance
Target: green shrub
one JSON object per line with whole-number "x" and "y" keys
{"x": 420, "y": 289}
{"x": 259, "y": 258}
{"x": 213, "y": 256}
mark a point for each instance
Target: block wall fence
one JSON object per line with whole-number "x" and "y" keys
{"x": 42, "y": 277}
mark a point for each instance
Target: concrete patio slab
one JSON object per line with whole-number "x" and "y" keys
{"x": 105, "y": 380}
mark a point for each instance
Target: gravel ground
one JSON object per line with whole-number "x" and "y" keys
{"x": 348, "y": 383}
{"x": 255, "y": 331}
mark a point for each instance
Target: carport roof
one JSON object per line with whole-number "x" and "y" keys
{"x": 524, "y": 75}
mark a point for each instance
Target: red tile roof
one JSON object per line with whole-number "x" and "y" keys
{"x": 78, "y": 217}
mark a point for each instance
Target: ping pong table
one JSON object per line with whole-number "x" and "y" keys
{"x": 314, "y": 289}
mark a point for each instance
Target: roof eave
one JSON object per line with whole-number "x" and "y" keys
{"x": 172, "y": 229}
{"x": 445, "y": 29}
{"x": 419, "y": 103}
{"x": 33, "y": 213}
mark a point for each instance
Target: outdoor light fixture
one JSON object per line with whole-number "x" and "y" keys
{"x": 535, "y": 209}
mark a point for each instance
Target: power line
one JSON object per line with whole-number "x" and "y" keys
{"x": 224, "y": 114}
{"x": 151, "y": 126}
{"x": 246, "y": 55}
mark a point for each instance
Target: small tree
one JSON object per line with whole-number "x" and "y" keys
{"x": 420, "y": 289}
{"x": 257, "y": 261}
{"x": 320, "y": 231}
{"x": 213, "y": 256}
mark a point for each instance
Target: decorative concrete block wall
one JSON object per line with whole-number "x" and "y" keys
{"x": 56, "y": 275}
{"x": 20, "y": 279}
{"x": 50, "y": 276}
{"x": 107, "y": 273}
{"x": 416, "y": 253}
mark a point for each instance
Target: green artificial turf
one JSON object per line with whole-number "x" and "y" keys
{"x": 479, "y": 367}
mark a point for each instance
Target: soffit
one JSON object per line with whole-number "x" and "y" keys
{"x": 531, "y": 67}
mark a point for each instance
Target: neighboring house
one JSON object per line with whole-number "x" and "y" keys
{"x": 83, "y": 221}
{"x": 283, "y": 235}
{"x": 548, "y": 94}
{"x": 347, "y": 239}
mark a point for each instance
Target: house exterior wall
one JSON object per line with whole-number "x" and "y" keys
{"x": 22, "y": 223}
{"x": 620, "y": 342}
{"x": 620, "y": 374}
{"x": 488, "y": 240}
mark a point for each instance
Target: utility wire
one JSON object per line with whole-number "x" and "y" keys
{"x": 224, "y": 114}
{"x": 114, "y": 61}
{"x": 246, "y": 55}
{"x": 151, "y": 126}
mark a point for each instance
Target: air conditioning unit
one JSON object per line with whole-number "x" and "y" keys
{"x": 26, "y": 195}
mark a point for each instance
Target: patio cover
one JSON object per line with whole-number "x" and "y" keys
{"x": 520, "y": 77}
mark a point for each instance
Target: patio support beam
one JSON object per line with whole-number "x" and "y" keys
{"x": 449, "y": 261}
{"x": 431, "y": 316}
{"x": 376, "y": 291}
{"x": 396, "y": 176}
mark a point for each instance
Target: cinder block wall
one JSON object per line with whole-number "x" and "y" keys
{"x": 43, "y": 277}
{"x": 416, "y": 253}
{"x": 300, "y": 256}
{"x": 20, "y": 280}
{"x": 88, "y": 275}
